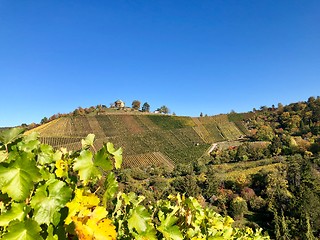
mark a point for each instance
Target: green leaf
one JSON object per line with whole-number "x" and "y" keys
{"x": 48, "y": 200}
{"x": 28, "y": 146}
{"x": 112, "y": 150}
{"x": 117, "y": 154}
{"x": 46, "y": 154}
{"x": 16, "y": 212}
{"x": 18, "y": 178}
{"x": 85, "y": 166}
{"x": 51, "y": 236}
{"x": 172, "y": 232}
{"x": 149, "y": 234}
{"x": 3, "y": 156}
{"x": 10, "y": 135}
{"x": 139, "y": 219}
{"x": 27, "y": 230}
{"x": 101, "y": 159}
{"x": 88, "y": 141}
{"x": 111, "y": 187}
{"x": 32, "y": 136}
{"x": 118, "y": 161}
{"x": 167, "y": 227}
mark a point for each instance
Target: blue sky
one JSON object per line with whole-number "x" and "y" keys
{"x": 192, "y": 56}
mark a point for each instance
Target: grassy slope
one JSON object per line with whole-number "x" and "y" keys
{"x": 181, "y": 139}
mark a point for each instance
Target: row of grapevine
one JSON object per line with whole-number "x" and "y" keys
{"x": 187, "y": 154}
{"x": 80, "y": 126}
{"x": 146, "y": 123}
{"x": 229, "y": 130}
{"x": 214, "y": 132}
{"x": 188, "y": 136}
{"x": 59, "y": 141}
{"x": 241, "y": 127}
{"x": 146, "y": 160}
{"x": 166, "y": 122}
{"x": 107, "y": 125}
{"x": 131, "y": 124}
{"x": 95, "y": 126}
{"x": 51, "y": 128}
{"x": 214, "y": 119}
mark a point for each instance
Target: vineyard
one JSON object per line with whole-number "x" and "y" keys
{"x": 148, "y": 159}
{"x": 53, "y": 194}
{"x": 180, "y": 139}
{"x": 220, "y": 128}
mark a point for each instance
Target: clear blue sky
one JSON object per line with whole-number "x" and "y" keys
{"x": 193, "y": 56}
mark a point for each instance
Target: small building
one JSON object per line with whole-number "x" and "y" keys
{"x": 119, "y": 104}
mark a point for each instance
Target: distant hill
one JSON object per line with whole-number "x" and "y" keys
{"x": 147, "y": 139}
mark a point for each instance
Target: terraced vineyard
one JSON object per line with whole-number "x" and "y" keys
{"x": 229, "y": 130}
{"x": 143, "y": 136}
{"x": 148, "y": 159}
{"x": 232, "y": 171}
{"x": 219, "y": 128}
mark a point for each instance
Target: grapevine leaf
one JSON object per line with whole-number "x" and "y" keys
{"x": 28, "y": 146}
{"x": 16, "y": 212}
{"x": 101, "y": 159}
{"x": 118, "y": 161}
{"x": 46, "y": 154}
{"x": 149, "y": 234}
{"x": 167, "y": 227}
{"x": 117, "y": 154}
{"x": 27, "y": 230}
{"x": 86, "y": 167}
{"x": 3, "y": 156}
{"x": 111, "y": 185}
{"x": 48, "y": 200}
{"x": 51, "y": 236}
{"x": 57, "y": 155}
{"x": 18, "y": 178}
{"x": 110, "y": 147}
{"x": 88, "y": 141}
{"x": 45, "y": 173}
{"x": 32, "y": 136}
{"x": 12, "y": 156}
{"x": 112, "y": 150}
{"x": 227, "y": 233}
{"x": 105, "y": 230}
{"x": 172, "y": 232}
{"x": 139, "y": 219}
{"x": 10, "y": 135}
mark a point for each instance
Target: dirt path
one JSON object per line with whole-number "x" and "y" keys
{"x": 209, "y": 150}
{"x": 212, "y": 147}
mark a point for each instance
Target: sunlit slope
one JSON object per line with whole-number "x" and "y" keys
{"x": 177, "y": 139}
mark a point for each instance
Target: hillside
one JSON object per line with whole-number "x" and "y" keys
{"x": 268, "y": 179}
{"x": 145, "y": 138}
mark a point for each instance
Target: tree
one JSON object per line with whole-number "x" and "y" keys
{"x": 146, "y": 107}
{"x": 136, "y": 104}
{"x": 164, "y": 109}
{"x": 44, "y": 120}
{"x": 265, "y": 133}
{"x": 238, "y": 207}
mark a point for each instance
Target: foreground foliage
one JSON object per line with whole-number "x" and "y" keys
{"x": 56, "y": 194}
